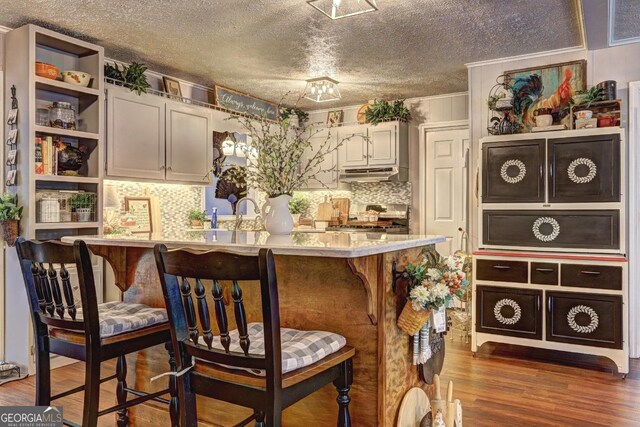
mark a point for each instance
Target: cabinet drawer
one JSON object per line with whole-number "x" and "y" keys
{"x": 544, "y": 273}
{"x": 585, "y": 169}
{"x": 591, "y": 276}
{"x": 501, "y": 271}
{"x": 512, "y": 172}
{"x": 585, "y": 319}
{"x": 553, "y": 229}
{"x": 509, "y": 311}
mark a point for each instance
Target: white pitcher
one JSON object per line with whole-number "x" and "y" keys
{"x": 277, "y": 218}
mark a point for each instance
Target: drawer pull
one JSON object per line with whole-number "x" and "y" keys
{"x": 538, "y": 298}
{"x": 502, "y": 267}
{"x": 544, "y": 270}
{"x": 592, "y": 273}
{"x": 549, "y": 304}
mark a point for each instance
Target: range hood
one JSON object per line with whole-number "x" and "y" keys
{"x": 374, "y": 174}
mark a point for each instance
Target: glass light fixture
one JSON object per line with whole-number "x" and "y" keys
{"x": 336, "y": 9}
{"x": 322, "y": 89}
{"x": 241, "y": 149}
{"x": 229, "y": 144}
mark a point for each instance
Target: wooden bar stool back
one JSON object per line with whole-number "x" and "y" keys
{"x": 84, "y": 330}
{"x": 253, "y": 365}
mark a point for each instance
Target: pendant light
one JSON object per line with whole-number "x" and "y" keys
{"x": 336, "y": 9}
{"x": 229, "y": 144}
{"x": 322, "y": 89}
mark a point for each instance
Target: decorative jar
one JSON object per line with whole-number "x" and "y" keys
{"x": 62, "y": 116}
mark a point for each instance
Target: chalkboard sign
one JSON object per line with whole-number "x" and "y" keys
{"x": 244, "y": 103}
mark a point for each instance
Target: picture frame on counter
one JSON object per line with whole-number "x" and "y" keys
{"x": 140, "y": 209}
{"x": 244, "y": 103}
{"x": 334, "y": 117}
{"x": 172, "y": 87}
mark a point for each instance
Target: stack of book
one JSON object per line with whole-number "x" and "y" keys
{"x": 46, "y": 156}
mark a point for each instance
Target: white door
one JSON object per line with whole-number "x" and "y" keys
{"x": 135, "y": 135}
{"x": 353, "y": 151}
{"x": 383, "y": 140}
{"x": 326, "y": 172}
{"x": 189, "y": 143}
{"x": 446, "y": 175}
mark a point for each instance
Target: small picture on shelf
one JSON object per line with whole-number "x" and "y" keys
{"x": 11, "y": 157}
{"x": 172, "y": 87}
{"x": 334, "y": 117}
{"x": 13, "y": 137}
{"x": 12, "y": 118}
{"x": 11, "y": 177}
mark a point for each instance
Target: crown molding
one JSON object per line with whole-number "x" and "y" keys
{"x": 407, "y": 101}
{"x": 4, "y": 29}
{"x": 526, "y": 56}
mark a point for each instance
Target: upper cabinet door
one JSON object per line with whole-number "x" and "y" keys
{"x": 512, "y": 172}
{"x": 585, "y": 169}
{"x": 189, "y": 143}
{"x": 383, "y": 140}
{"x": 135, "y": 135}
{"x": 353, "y": 151}
{"x": 326, "y": 172}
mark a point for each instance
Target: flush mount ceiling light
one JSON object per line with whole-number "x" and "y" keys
{"x": 336, "y": 9}
{"x": 322, "y": 89}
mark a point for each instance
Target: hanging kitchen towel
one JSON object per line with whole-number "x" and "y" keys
{"x": 421, "y": 346}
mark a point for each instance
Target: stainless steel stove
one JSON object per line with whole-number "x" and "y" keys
{"x": 392, "y": 219}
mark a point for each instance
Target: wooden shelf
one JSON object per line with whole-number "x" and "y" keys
{"x": 67, "y": 132}
{"x": 68, "y": 178}
{"x": 65, "y": 225}
{"x": 64, "y": 88}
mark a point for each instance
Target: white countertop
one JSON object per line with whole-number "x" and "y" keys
{"x": 328, "y": 244}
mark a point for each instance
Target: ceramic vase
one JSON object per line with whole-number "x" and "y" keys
{"x": 278, "y": 219}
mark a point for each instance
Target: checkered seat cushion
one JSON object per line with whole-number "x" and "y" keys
{"x": 299, "y": 348}
{"x": 120, "y": 317}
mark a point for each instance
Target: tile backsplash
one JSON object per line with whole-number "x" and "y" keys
{"x": 175, "y": 201}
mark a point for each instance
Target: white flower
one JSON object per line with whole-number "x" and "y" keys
{"x": 439, "y": 291}
{"x": 434, "y": 274}
{"x": 451, "y": 262}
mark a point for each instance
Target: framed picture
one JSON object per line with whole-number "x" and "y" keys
{"x": 172, "y": 87}
{"x": 244, "y": 103}
{"x": 13, "y": 137}
{"x": 551, "y": 86}
{"x": 11, "y": 157}
{"x": 334, "y": 117}
{"x": 12, "y": 118}
{"x": 140, "y": 209}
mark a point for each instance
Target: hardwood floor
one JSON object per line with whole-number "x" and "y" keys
{"x": 496, "y": 389}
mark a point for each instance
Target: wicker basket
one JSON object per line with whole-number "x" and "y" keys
{"x": 10, "y": 231}
{"x": 411, "y": 321}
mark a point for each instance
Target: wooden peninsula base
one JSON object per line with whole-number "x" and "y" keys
{"x": 344, "y": 291}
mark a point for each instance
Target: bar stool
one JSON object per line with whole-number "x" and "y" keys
{"x": 92, "y": 333}
{"x": 258, "y": 365}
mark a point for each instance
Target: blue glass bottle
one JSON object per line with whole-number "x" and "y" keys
{"x": 214, "y": 218}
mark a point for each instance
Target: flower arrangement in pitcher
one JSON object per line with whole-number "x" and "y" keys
{"x": 435, "y": 281}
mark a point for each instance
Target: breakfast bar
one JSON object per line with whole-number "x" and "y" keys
{"x": 338, "y": 282}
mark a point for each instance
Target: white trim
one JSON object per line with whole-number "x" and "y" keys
{"x": 4, "y": 29}
{"x": 422, "y": 159}
{"x": 634, "y": 228}
{"x": 545, "y": 53}
{"x": 582, "y": 27}
{"x": 2, "y": 246}
{"x": 407, "y": 101}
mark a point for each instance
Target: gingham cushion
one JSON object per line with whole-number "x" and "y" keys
{"x": 299, "y": 348}
{"x": 119, "y": 317}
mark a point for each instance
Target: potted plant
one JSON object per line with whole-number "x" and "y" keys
{"x": 296, "y": 116}
{"x": 297, "y": 206}
{"x": 278, "y": 163}
{"x": 83, "y": 205}
{"x": 132, "y": 76}
{"x": 435, "y": 280}
{"x": 382, "y": 110}
{"x": 196, "y": 218}
{"x": 10, "y": 214}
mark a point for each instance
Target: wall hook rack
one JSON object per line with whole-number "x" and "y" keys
{"x": 396, "y": 275}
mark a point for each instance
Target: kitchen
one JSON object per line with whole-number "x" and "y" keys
{"x": 353, "y": 180}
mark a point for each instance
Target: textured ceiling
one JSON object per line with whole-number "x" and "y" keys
{"x": 408, "y": 48}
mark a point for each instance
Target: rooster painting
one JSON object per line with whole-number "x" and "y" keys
{"x": 535, "y": 89}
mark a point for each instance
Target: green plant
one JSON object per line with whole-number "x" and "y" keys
{"x": 382, "y": 110}
{"x": 82, "y": 201}
{"x": 132, "y": 76}
{"x": 9, "y": 208}
{"x": 286, "y": 112}
{"x": 587, "y": 97}
{"x": 493, "y": 100}
{"x": 298, "y": 204}
{"x": 196, "y": 215}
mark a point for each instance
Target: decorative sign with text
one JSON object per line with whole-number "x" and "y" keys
{"x": 244, "y": 103}
{"x": 140, "y": 209}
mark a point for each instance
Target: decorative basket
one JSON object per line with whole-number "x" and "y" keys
{"x": 10, "y": 231}
{"x": 411, "y": 321}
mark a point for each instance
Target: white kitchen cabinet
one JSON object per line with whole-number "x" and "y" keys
{"x": 328, "y": 178}
{"x": 188, "y": 143}
{"x": 354, "y": 151}
{"x": 135, "y": 135}
{"x": 382, "y": 144}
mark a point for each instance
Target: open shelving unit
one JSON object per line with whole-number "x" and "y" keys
{"x": 26, "y": 46}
